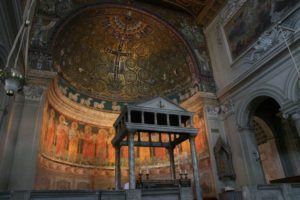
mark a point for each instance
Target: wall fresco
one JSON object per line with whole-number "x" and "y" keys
{"x": 72, "y": 142}
{"x": 252, "y": 20}
{"x": 77, "y": 155}
{"x": 67, "y": 140}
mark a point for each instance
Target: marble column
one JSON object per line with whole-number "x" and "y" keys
{"x": 131, "y": 160}
{"x": 296, "y": 119}
{"x": 195, "y": 169}
{"x": 117, "y": 167}
{"x": 172, "y": 163}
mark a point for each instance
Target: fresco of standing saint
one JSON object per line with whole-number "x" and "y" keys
{"x": 200, "y": 140}
{"x": 101, "y": 146}
{"x": 73, "y": 142}
{"x": 61, "y": 137}
{"x": 110, "y": 148}
{"x": 51, "y": 131}
{"x": 144, "y": 151}
{"x": 88, "y": 147}
{"x": 160, "y": 153}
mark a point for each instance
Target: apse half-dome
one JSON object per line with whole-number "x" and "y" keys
{"x": 122, "y": 54}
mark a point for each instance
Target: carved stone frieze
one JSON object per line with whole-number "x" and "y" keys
{"x": 33, "y": 92}
{"x": 263, "y": 44}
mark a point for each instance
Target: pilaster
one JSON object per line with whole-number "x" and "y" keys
{"x": 10, "y": 120}
{"x": 23, "y": 169}
{"x": 251, "y": 156}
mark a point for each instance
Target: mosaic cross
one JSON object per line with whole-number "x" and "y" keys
{"x": 118, "y": 53}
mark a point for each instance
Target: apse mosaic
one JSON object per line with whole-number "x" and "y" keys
{"x": 108, "y": 105}
{"x": 52, "y": 14}
{"x": 122, "y": 54}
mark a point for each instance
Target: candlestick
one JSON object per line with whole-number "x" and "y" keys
{"x": 180, "y": 174}
{"x": 147, "y": 173}
{"x": 185, "y": 174}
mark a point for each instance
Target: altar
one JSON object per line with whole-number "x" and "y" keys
{"x": 166, "y": 125}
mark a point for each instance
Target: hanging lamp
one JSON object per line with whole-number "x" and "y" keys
{"x": 10, "y": 76}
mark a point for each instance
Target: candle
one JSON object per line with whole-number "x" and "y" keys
{"x": 140, "y": 171}
{"x": 147, "y": 171}
{"x": 180, "y": 171}
{"x": 185, "y": 172}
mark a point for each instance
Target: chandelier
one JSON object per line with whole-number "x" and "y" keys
{"x": 10, "y": 76}
{"x": 12, "y": 79}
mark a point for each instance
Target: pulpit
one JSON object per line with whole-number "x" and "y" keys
{"x": 165, "y": 124}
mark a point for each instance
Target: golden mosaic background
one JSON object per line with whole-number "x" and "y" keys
{"x": 154, "y": 60}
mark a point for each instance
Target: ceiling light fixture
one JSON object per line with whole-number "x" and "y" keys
{"x": 10, "y": 76}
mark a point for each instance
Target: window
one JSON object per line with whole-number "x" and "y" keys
{"x": 149, "y": 118}
{"x": 136, "y": 116}
{"x": 174, "y": 120}
{"x": 161, "y": 119}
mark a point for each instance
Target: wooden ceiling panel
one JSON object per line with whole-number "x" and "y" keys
{"x": 203, "y": 10}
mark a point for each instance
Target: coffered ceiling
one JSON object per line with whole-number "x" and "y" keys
{"x": 203, "y": 10}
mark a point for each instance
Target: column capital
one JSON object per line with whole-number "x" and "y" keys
{"x": 296, "y": 116}
{"x": 290, "y": 109}
{"x": 33, "y": 92}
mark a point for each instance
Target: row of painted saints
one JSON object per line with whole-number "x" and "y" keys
{"x": 70, "y": 143}
{"x": 82, "y": 144}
